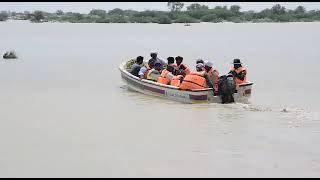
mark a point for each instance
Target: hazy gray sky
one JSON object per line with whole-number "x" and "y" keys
{"x": 85, "y": 7}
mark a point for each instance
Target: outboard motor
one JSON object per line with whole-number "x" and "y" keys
{"x": 227, "y": 87}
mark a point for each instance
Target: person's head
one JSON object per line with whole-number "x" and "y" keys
{"x": 199, "y": 67}
{"x": 157, "y": 66}
{"x": 237, "y": 63}
{"x": 154, "y": 54}
{"x": 139, "y": 60}
{"x": 151, "y": 63}
{"x": 170, "y": 60}
{"x": 199, "y": 61}
{"x": 179, "y": 60}
{"x": 208, "y": 65}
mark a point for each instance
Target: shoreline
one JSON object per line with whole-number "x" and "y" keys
{"x": 225, "y": 22}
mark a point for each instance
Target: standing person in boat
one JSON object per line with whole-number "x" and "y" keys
{"x": 145, "y": 69}
{"x": 181, "y": 66}
{"x": 213, "y": 74}
{"x": 155, "y": 72}
{"x": 137, "y": 66}
{"x": 238, "y": 72}
{"x": 154, "y": 56}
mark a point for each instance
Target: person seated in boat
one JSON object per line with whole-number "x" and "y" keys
{"x": 137, "y": 66}
{"x": 154, "y": 57}
{"x": 238, "y": 72}
{"x": 181, "y": 66}
{"x": 166, "y": 75}
{"x": 171, "y": 62}
{"x": 145, "y": 69}
{"x": 195, "y": 79}
{"x": 155, "y": 72}
{"x": 213, "y": 74}
{"x": 177, "y": 78}
{"x": 200, "y": 69}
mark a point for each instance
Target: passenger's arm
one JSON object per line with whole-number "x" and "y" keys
{"x": 215, "y": 77}
{"x": 209, "y": 82}
{"x": 141, "y": 72}
{"x": 170, "y": 76}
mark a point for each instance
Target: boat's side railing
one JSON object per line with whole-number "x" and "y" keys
{"x": 246, "y": 84}
{"x": 121, "y": 67}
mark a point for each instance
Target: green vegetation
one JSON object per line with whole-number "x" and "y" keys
{"x": 129, "y": 64}
{"x": 194, "y": 13}
{"x": 3, "y": 16}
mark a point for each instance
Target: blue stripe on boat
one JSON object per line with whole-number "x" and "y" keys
{"x": 198, "y": 97}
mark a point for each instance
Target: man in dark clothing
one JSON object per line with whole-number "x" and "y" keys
{"x": 137, "y": 66}
{"x": 238, "y": 72}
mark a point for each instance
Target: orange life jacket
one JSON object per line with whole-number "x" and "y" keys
{"x": 238, "y": 71}
{"x": 187, "y": 70}
{"x": 194, "y": 80}
{"x": 175, "y": 81}
{"x": 212, "y": 73}
{"x": 163, "y": 77}
{"x": 147, "y": 71}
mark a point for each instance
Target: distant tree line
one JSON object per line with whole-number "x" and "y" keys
{"x": 194, "y": 13}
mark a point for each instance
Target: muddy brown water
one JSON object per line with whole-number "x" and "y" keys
{"x": 65, "y": 112}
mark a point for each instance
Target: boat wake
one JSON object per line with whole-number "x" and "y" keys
{"x": 286, "y": 112}
{"x": 294, "y": 115}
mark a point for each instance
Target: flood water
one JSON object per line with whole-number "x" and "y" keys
{"x": 65, "y": 112}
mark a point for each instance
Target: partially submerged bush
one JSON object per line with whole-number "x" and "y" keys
{"x": 10, "y": 55}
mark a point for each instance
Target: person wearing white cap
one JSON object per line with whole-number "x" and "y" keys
{"x": 196, "y": 79}
{"x": 154, "y": 56}
{"x": 201, "y": 71}
{"x": 199, "y": 67}
{"x": 213, "y": 74}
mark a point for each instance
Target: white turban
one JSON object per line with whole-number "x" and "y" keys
{"x": 209, "y": 64}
